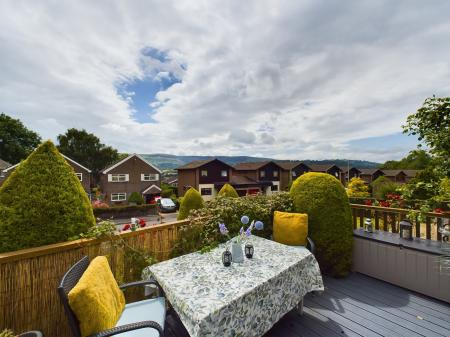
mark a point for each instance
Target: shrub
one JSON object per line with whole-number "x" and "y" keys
{"x": 191, "y": 200}
{"x": 203, "y": 230}
{"x": 228, "y": 191}
{"x": 323, "y": 198}
{"x": 357, "y": 188}
{"x": 136, "y": 198}
{"x": 42, "y": 202}
{"x": 383, "y": 186}
{"x": 124, "y": 211}
{"x": 7, "y": 333}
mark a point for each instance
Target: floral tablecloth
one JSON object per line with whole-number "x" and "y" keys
{"x": 244, "y": 299}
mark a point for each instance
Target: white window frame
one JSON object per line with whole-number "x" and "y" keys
{"x": 206, "y": 188}
{"x": 204, "y": 173}
{"x": 224, "y": 173}
{"x": 149, "y": 176}
{"x": 118, "y": 177}
{"x": 120, "y": 196}
{"x": 294, "y": 174}
{"x": 79, "y": 175}
{"x": 275, "y": 174}
{"x": 262, "y": 174}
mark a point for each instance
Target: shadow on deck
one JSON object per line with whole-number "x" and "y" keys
{"x": 359, "y": 306}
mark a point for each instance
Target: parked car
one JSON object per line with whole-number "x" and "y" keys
{"x": 166, "y": 205}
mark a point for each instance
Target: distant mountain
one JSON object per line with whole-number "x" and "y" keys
{"x": 168, "y": 161}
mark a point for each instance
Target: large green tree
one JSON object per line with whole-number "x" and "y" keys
{"x": 431, "y": 124}
{"x": 16, "y": 140}
{"x": 416, "y": 160}
{"x": 87, "y": 149}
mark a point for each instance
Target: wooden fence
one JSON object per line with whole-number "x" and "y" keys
{"x": 29, "y": 278}
{"x": 388, "y": 219}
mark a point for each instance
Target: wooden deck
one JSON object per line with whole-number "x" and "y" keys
{"x": 359, "y": 306}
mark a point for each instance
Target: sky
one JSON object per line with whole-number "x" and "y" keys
{"x": 282, "y": 79}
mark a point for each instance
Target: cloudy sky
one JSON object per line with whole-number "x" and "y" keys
{"x": 285, "y": 79}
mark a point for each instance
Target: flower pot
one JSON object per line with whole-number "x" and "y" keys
{"x": 236, "y": 252}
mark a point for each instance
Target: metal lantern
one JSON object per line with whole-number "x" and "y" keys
{"x": 227, "y": 258}
{"x": 368, "y": 227}
{"x": 249, "y": 250}
{"x": 406, "y": 230}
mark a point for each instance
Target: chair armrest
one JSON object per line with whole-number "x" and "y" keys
{"x": 130, "y": 327}
{"x": 142, "y": 283}
{"x": 310, "y": 245}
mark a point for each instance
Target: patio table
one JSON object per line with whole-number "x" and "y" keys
{"x": 245, "y": 299}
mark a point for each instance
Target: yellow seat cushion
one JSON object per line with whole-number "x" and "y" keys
{"x": 96, "y": 299}
{"x": 290, "y": 228}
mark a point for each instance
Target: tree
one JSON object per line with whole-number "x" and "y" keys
{"x": 86, "y": 149}
{"x": 228, "y": 191}
{"x": 323, "y": 198}
{"x": 383, "y": 186}
{"x": 431, "y": 123}
{"x": 16, "y": 141}
{"x": 136, "y": 198}
{"x": 42, "y": 202}
{"x": 415, "y": 160}
{"x": 357, "y": 188}
{"x": 191, "y": 200}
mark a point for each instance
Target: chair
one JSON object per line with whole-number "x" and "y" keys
{"x": 135, "y": 317}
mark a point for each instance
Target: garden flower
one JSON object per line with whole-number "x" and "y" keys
{"x": 259, "y": 225}
{"x": 223, "y": 229}
{"x": 248, "y": 232}
{"x": 245, "y": 219}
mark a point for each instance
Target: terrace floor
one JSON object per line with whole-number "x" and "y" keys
{"x": 359, "y": 306}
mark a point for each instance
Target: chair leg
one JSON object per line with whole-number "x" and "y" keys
{"x": 300, "y": 308}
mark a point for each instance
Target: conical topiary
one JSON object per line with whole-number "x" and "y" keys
{"x": 191, "y": 200}
{"x": 324, "y": 199}
{"x": 42, "y": 202}
{"x": 228, "y": 191}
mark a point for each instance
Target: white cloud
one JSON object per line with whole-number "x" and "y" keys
{"x": 293, "y": 79}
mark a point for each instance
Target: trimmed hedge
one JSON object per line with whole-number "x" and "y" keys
{"x": 325, "y": 201}
{"x": 191, "y": 200}
{"x": 124, "y": 211}
{"x": 42, "y": 202}
{"x": 228, "y": 191}
{"x": 136, "y": 198}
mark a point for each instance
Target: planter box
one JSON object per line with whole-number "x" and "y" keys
{"x": 415, "y": 265}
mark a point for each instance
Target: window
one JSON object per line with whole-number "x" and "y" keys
{"x": 204, "y": 173}
{"x": 149, "y": 176}
{"x": 275, "y": 174}
{"x": 118, "y": 196}
{"x": 206, "y": 191}
{"x": 224, "y": 173}
{"x": 80, "y": 176}
{"x": 117, "y": 178}
{"x": 294, "y": 174}
{"x": 262, "y": 174}
{"x": 274, "y": 188}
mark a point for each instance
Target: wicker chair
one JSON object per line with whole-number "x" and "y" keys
{"x": 134, "y": 311}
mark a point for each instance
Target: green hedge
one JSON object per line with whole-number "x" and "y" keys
{"x": 325, "y": 201}
{"x": 191, "y": 200}
{"x": 136, "y": 198}
{"x": 42, "y": 202}
{"x": 383, "y": 186}
{"x": 124, "y": 211}
{"x": 228, "y": 191}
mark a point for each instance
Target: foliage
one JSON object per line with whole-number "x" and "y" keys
{"x": 7, "y": 333}
{"x": 168, "y": 191}
{"x": 415, "y": 160}
{"x": 137, "y": 198}
{"x": 99, "y": 204}
{"x": 86, "y": 149}
{"x": 383, "y": 186}
{"x": 423, "y": 186}
{"x": 16, "y": 141}
{"x": 42, "y": 202}
{"x": 228, "y": 191}
{"x": 431, "y": 123}
{"x": 124, "y": 211}
{"x": 191, "y": 200}
{"x": 444, "y": 190}
{"x": 357, "y": 188}
{"x": 323, "y": 198}
{"x": 203, "y": 232}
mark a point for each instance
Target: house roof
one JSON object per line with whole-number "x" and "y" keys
{"x": 411, "y": 173}
{"x": 250, "y": 166}
{"x": 369, "y": 171}
{"x": 391, "y": 173}
{"x": 120, "y": 162}
{"x": 170, "y": 180}
{"x": 4, "y": 164}
{"x": 289, "y": 165}
{"x": 321, "y": 167}
{"x": 345, "y": 168}
{"x": 199, "y": 163}
{"x": 151, "y": 189}
{"x": 65, "y": 157}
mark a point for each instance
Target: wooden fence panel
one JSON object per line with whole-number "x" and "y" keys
{"x": 29, "y": 278}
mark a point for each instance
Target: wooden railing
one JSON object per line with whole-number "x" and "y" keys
{"x": 29, "y": 278}
{"x": 388, "y": 219}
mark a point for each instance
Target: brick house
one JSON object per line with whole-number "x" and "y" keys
{"x": 132, "y": 174}
{"x": 84, "y": 174}
{"x": 264, "y": 177}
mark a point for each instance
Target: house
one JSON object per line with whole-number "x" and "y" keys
{"x": 172, "y": 181}
{"x": 84, "y": 174}
{"x": 397, "y": 176}
{"x": 410, "y": 174}
{"x": 264, "y": 177}
{"x": 131, "y": 174}
{"x": 331, "y": 169}
{"x": 206, "y": 176}
{"x": 369, "y": 175}
{"x": 349, "y": 172}
{"x": 291, "y": 170}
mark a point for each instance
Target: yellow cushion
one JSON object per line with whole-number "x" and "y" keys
{"x": 96, "y": 299}
{"x": 290, "y": 228}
